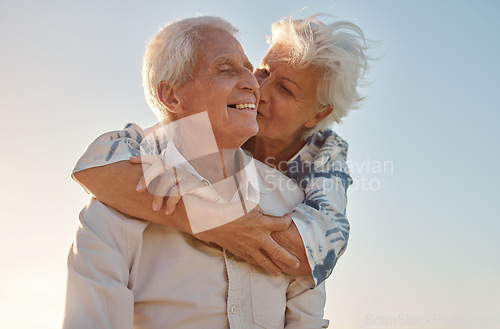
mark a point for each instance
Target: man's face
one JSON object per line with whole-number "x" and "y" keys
{"x": 223, "y": 85}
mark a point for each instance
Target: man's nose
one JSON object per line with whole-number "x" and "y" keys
{"x": 249, "y": 82}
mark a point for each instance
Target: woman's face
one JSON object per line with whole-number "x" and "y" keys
{"x": 287, "y": 97}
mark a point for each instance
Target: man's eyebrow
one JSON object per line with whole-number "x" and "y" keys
{"x": 223, "y": 60}
{"x": 231, "y": 61}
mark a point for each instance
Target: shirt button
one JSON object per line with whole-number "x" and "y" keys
{"x": 233, "y": 309}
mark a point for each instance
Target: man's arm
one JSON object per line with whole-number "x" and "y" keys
{"x": 97, "y": 294}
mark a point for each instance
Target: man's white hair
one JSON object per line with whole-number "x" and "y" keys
{"x": 338, "y": 49}
{"x": 172, "y": 53}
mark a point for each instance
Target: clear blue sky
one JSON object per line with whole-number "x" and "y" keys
{"x": 424, "y": 241}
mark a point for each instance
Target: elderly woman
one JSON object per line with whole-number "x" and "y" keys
{"x": 308, "y": 80}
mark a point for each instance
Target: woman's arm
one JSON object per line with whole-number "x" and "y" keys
{"x": 114, "y": 185}
{"x": 105, "y": 171}
{"x": 248, "y": 237}
{"x": 322, "y": 172}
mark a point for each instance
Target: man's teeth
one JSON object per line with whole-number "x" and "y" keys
{"x": 245, "y": 106}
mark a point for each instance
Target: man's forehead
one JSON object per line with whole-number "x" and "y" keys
{"x": 218, "y": 47}
{"x": 210, "y": 36}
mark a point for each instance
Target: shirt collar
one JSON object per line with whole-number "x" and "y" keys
{"x": 248, "y": 172}
{"x": 248, "y": 178}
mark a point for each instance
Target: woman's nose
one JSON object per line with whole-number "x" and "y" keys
{"x": 263, "y": 90}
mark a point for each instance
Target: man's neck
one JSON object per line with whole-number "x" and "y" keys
{"x": 215, "y": 166}
{"x": 194, "y": 139}
{"x": 274, "y": 153}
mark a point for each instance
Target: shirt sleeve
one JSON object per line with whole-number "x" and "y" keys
{"x": 97, "y": 294}
{"x": 110, "y": 147}
{"x": 305, "y": 307}
{"x": 321, "y": 218}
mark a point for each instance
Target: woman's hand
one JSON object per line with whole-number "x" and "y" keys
{"x": 245, "y": 235}
{"x": 164, "y": 183}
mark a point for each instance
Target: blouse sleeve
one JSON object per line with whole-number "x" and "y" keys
{"x": 305, "y": 307}
{"x": 321, "y": 171}
{"x": 110, "y": 147}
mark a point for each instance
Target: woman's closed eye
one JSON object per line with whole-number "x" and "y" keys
{"x": 286, "y": 90}
{"x": 262, "y": 71}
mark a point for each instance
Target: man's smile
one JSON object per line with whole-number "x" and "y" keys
{"x": 242, "y": 106}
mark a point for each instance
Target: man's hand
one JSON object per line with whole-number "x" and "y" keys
{"x": 249, "y": 237}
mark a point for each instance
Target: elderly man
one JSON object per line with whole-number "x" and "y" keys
{"x": 125, "y": 273}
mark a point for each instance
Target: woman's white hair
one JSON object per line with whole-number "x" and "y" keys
{"x": 338, "y": 49}
{"x": 172, "y": 53}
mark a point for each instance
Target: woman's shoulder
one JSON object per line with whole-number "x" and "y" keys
{"x": 324, "y": 146}
{"x": 328, "y": 141}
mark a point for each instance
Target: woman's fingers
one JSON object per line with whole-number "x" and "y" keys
{"x": 153, "y": 167}
{"x": 141, "y": 186}
{"x": 158, "y": 202}
{"x": 165, "y": 182}
{"x": 262, "y": 260}
{"x": 135, "y": 160}
{"x": 278, "y": 254}
{"x": 165, "y": 186}
{"x": 172, "y": 201}
{"x": 188, "y": 184}
{"x": 145, "y": 158}
{"x": 154, "y": 171}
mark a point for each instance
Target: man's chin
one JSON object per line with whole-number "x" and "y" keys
{"x": 248, "y": 132}
{"x": 235, "y": 138}
{"x": 253, "y": 130}
{"x": 246, "y": 120}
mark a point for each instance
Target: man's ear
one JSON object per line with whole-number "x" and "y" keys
{"x": 167, "y": 96}
{"x": 318, "y": 117}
